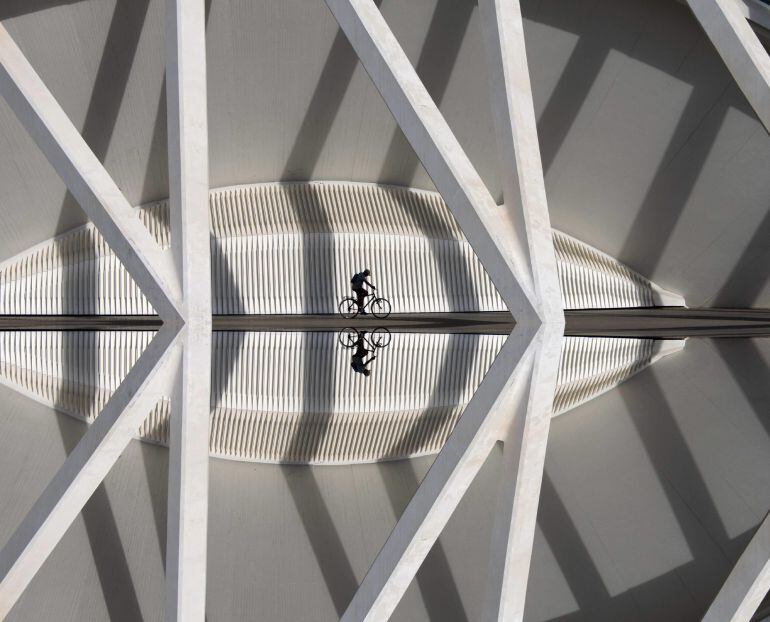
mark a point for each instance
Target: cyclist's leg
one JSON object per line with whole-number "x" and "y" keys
{"x": 360, "y": 293}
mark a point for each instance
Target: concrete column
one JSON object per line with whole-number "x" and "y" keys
{"x": 525, "y": 199}
{"x": 190, "y": 235}
{"x": 519, "y": 150}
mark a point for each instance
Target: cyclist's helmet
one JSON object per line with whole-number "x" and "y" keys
{"x": 366, "y": 272}
{"x": 367, "y": 372}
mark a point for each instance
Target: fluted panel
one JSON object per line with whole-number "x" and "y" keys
{"x": 292, "y": 248}
{"x": 591, "y": 279}
{"x": 590, "y": 366}
{"x": 292, "y": 397}
{"x": 77, "y": 371}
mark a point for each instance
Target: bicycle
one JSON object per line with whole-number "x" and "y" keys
{"x": 378, "y": 307}
{"x": 377, "y": 338}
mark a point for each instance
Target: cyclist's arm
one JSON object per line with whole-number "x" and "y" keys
{"x": 369, "y": 284}
{"x": 369, "y": 360}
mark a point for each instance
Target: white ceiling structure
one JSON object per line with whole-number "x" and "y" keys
{"x": 513, "y": 404}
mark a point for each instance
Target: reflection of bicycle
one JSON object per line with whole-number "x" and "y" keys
{"x": 377, "y": 338}
{"x": 378, "y": 307}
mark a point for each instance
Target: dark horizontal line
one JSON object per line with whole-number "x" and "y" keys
{"x": 661, "y": 323}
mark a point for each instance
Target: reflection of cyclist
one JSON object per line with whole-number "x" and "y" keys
{"x": 357, "y": 284}
{"x": 357, "y": 361}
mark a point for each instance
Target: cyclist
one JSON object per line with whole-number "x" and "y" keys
{"x": 357, "y": 361}
{"x": 357, "y": 284}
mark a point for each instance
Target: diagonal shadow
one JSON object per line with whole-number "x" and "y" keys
{"x": 318, "y": 380}
{"x": 99, "y": 125}
{"x": 322, "y": 534}
{"x": 434, "y": 578}
{"x": 750, "y": 372}
{"x": 323, "y": 108}
{"x": 748, "y": 277}
{"x": 571, "y": 91}
{"x": 437, "y": 60}
{"x": 574, "y": 560}
{"x": 106, "y": 544}
{"x": 582, "y": 70}
{"x": 155, "y": 465}
{"x": 156, "y": 171}
{"x": 651, "y": 590}
{"x": 111, "y": 82}
{"x": 571, "y": 553}
{"x": 667, "y": 195}
{"x": 673, "y": 462}
{"x": 15, "y": 8}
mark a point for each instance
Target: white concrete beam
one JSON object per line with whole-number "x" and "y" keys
{"x": 748, "y": 582}
{"x": 757, "y": 12}
{"x": 455, "y": 467}
{"x": 85, "y": 468}
{"x": 521, "y": 476}
{"x": 525, "y": 199}
{"x": 725, "y": 24}
{"x": 519, "y": 149}
{"x": 87, "y": 179}
{"x": 189, "y": 204}
{"x": 488, "y": 227}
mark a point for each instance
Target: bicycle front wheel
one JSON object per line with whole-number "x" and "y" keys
{"x": 348, "y": 308}
{"x": 380, "y": 337}
{"x": 380, "y": 308}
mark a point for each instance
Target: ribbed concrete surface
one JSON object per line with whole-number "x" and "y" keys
{"x": 292, "y": 397}
{"x": 292, "y": 248}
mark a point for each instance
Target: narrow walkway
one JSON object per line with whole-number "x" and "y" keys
{"x": 658, "y": 323}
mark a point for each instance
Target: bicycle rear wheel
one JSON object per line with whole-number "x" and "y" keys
{"x": 380, "y": 337}
{"x": 380, "y": 308}
{"x": 348, "y": 308}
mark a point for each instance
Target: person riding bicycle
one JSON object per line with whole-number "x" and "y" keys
{"x": 357, "y": 284}
{"x": 357, "y": 361}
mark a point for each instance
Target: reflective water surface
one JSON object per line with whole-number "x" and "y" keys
{"x": 313, "y": 397}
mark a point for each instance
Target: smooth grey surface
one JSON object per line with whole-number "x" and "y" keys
{"x": 642, "y": 129}
{"x": 651, "y": 492}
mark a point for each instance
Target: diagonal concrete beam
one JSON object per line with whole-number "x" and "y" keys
{"x": 87, "y": 179}
{"x": 488, "y": 227}
{"x": 748, "y": 582}
{"x": 747, "y": 60}
{"x": 519, "y": 149}
{"x": 85, "y": 468}
{"x": 455, "y": 467}
{"x": 189, "y": 204}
